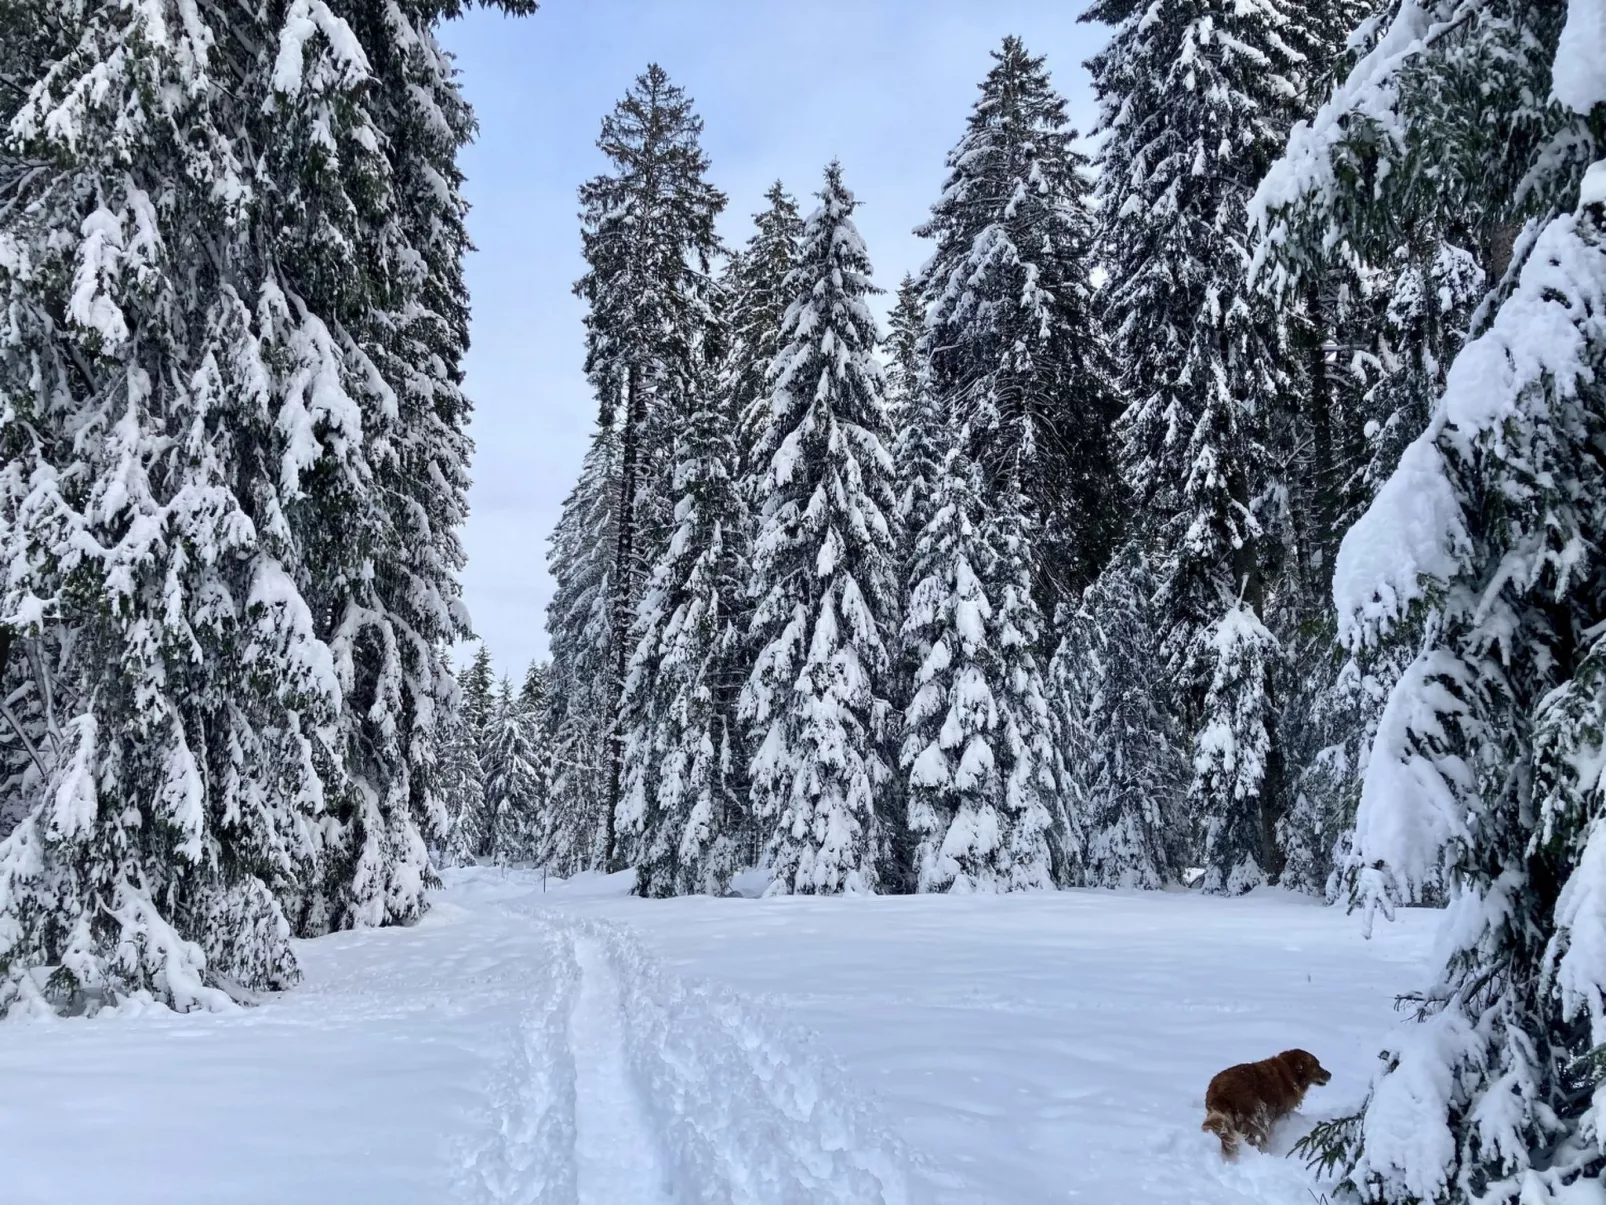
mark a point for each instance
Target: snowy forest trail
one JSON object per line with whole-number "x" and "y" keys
{"x": 577, "y": 1046}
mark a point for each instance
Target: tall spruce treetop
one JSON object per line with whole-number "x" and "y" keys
{"x": 815, "y": 704}
{"x": 1012, "y": 339}
{"x": 649, "y": 241}
{"x": 758, "y": 308}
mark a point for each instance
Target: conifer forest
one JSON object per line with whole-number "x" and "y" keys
{"x": 1211, "y": 532}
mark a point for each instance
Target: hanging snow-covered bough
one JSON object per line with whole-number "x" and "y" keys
{"x": 1484, "y": 782}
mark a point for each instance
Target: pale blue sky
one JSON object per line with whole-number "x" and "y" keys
{"x": 884, "y": 85}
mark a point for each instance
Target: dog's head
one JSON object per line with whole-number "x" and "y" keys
{"x": 1305, "y": 1067}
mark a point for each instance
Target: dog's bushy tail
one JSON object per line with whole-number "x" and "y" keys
{"x": 1222, "y": 1127}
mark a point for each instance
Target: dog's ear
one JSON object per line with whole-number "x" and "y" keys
{"x": 1302, "y": 1063}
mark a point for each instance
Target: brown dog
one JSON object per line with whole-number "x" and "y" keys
{"x": 1246, "y": 1101}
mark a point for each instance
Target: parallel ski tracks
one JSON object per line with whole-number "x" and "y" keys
{"x": 625, "y": 1086}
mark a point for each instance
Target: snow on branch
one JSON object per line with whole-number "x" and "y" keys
{"x": 306, "y": 18}
{"x": 1414, "y": 531}
{"x": 1536, "y": 355}
{"x": 1578, "y": 77}
{"x": 1305, "y": 176}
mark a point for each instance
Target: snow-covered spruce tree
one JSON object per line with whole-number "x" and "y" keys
{"x": 758, "y": 300}
{"x": 462, "y": 756}
{"x": 535, "y": 692}
{"x": 982, "y": 792}
{"x": 1125, "y": 769}
{"x": 232, "y": 329}
{"x": 1394, "y": 336}
{"x": 535, "y": 697}
{"x": 924, "y": 435}
{"x": 1407, "y": 291}
{"x": 906, "y": 325}
{"x": 579, "y": 625}
{"x": 1012, "y": 342}
{"x": 649, "y": 242}
{"x": 681, "y": 820}
{"x": 1373, "y": 325}
{"x": 1484, "y": 778}
{"x": 1197, "y": 97}
{"x": 1230, "y": 756}
{"x": 392, "y": 638}
{"x": 131, "y": 567}
{"x": 462, "y": 785}
{"x": 514, "y": 783}
{"x": 814, "y": 707}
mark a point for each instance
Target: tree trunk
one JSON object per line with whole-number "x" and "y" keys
{"x": 1250, "y": 577}
{"x": 1325, "y": 469}
{"x": 623, "y": 597}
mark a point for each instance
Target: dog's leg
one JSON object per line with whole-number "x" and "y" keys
{"x": 1224, "y": 1128}
{"x": 1258, "y": 1129}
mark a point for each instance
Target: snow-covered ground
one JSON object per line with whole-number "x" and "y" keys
{"x": 580, "y": 1046}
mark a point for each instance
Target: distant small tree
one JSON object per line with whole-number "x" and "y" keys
{"x": 514, "y": 782}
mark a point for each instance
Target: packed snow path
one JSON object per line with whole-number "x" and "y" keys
{"x": 616, "y": 1153}
{"x": 581, "y": 1046}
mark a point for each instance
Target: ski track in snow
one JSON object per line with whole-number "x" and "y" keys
{"x": 615, "y": 1150}
{"x": 624, "y": 1085}
{"x": 526, "y": 1156}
